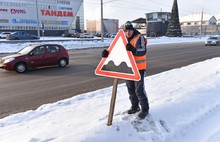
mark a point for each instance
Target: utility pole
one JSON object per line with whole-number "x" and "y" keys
{"x": 102, "y": 32}
{"x": 38, "y": 23}
{"x": 201, "y": 24}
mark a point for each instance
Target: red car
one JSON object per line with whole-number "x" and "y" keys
{"x": 35, "y": 56}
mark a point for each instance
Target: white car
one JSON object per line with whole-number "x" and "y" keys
{"x": 112, "y": 35}
{"x": 4, "y": 34}
{"x": 213, "y": 40}
{"x": 86, "y": 35}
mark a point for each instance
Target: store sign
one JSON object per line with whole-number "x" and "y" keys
{"x": 18, "y": 11}
{"x": 63, "y": 2}
{"x": 57, "y": 13}
{"x": 65, "y": 8}
{"x": 3, "y": 10}
{"x": 50, "y": 22}
{"x": 24, "y": 21}
{"x": 4, "y": 21}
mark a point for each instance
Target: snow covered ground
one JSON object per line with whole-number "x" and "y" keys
{"x": 9, "y": 48}
{"x": 184, "y": 107}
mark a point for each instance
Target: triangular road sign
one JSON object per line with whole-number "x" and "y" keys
{"x": 120, "y": 63}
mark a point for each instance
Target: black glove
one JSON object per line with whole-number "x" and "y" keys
{"x": 131, "y": 48}
{"x": 105, "y": 53}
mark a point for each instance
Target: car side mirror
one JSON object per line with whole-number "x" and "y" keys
{"x": 31, "y": 54}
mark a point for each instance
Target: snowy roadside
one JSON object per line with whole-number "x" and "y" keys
{"x": 184, "y": 107}
{"x": 11, "y": 48}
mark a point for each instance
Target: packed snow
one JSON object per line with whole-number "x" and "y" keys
{"x": 184, "y": 107}
{"x": 96, "y": 42}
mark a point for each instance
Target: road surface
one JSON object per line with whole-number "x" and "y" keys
{"x": 21, "y": 92}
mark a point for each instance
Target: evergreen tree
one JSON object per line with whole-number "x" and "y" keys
{"x": 174, "y": 29}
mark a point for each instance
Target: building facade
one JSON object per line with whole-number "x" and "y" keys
{"x": 140, "y": 25}
{"x": 109, "y": 26}
{"x": 157, "y": 23}
{"x": 53, "y": 17}
{"x": 197, "y": 24}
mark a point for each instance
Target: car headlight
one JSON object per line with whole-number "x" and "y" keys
{"x": 8, "y": 60}
{"x": 214, "y": 42}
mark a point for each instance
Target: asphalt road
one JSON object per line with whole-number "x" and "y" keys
{"x": 21, "y": 92}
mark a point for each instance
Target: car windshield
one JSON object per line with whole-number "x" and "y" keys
{"x": 213, "y": 38}
{"x": 14, "y": 33}
{"x": 5, "y": 33}
{"x": 26, "y": 50}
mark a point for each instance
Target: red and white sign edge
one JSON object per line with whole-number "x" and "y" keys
{"x": 136, "y": 76}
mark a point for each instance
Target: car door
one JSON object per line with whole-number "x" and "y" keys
{"x": 37, "y": 57}
{"x": 218, "y": 41}
{"x": 27, "y": 36}
{"x": 21, "y": 35}
{"x": 52, "y": 54}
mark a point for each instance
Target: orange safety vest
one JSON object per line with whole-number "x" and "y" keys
{"x": 141, "y": 61}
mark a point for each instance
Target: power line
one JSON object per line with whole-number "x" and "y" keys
{"x": 110, "y": 1}
{"x": 130, "y": 5}
{"x": 159, "y": 3}
{"x": 125, "y": 4}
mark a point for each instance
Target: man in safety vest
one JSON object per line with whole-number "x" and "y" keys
{"x": 136, "y": 89}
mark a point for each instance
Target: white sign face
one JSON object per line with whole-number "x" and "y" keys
{"x": 120, "y": 63}
{"x": 119, "y": 54}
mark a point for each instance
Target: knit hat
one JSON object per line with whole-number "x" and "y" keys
{"x": 129, "y": 26}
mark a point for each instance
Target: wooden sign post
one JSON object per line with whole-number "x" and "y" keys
{"x": 112, "y": 104}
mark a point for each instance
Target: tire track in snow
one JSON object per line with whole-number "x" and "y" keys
{"x": 200, "y": 126}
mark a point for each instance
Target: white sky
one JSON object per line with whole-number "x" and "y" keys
{"x": 125, "y": 10}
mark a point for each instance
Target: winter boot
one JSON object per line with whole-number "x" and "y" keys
{"x": 133, "y": 109}
{"x": 142, "y": 114}
{"x": 144, "y": 109}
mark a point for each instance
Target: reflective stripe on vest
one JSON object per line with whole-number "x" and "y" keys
{"x": 140, "y": 60}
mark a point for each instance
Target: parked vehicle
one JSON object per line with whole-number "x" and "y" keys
{"x": 74, "y": 35}
{"x": 66, "y": 35}
{"x": 214, "y": 40}
{"x": 4, "y": 34}
{"x": 98, "y": 34}
{"x": 112, "y": 35}
{"x": 21, "y": 35}
{"x": 86, "y": 35}
{"x": 35, "y": 56}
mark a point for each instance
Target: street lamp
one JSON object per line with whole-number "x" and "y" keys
{"x": 38, "y": 23}
{"x": 102, "y": 32}
{"x": 102, "y": 24}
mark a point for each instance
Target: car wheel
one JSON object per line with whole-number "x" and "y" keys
{"x": 20, "y": 68}
{"x": 62, "y": 62}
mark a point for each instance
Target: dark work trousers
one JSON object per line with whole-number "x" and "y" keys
{"x": 137, "y": 93}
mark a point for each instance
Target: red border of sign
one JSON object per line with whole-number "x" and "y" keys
{"x": 135, "y": 76}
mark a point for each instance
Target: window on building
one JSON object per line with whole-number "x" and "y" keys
{"x": 150, "y": 17}
{"x": 196, "y": 23}
{"x": 77, "y": 22}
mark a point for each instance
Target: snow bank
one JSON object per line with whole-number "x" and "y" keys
{"x": 184, "y": 107}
